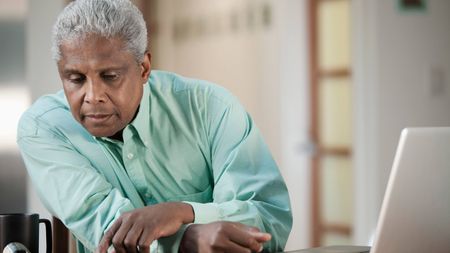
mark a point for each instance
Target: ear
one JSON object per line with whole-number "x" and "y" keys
{"x": 146, "y": 67}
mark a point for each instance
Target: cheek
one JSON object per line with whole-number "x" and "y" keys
{"x": 75, "y": 109}
{"x": 130, "y": 99}
{"x": 75, "y": 101}
{"x": 126, "y": 108}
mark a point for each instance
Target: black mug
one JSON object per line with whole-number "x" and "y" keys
{"x": 24, "y": 229}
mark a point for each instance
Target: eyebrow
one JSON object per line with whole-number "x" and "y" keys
{"x": 70, "y": 70}
{"x": 113, "y": 68}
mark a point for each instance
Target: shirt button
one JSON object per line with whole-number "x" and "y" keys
{"x": 130, "y": 156}
{"x": 145, "y": 143}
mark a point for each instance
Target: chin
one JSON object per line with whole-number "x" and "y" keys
{"x": 100, "y": 132}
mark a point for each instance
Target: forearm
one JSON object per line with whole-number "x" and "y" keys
{"x": 223, "y": 236}
{"x": 87, "y": 216}
{"x": 172, "y": 243}
{"x": 248, "y": 185}
{"x": 268, "y": 217}
{"x": 142, "y": 226}
{"x": 185, "y": 212}
{"x": 71, "y": 189}
{"x": 89, "y": 225}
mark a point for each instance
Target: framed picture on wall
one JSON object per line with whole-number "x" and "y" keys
{"x": 412, "y": 5}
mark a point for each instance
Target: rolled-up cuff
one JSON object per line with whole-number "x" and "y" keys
{"x": 205, "y": 213}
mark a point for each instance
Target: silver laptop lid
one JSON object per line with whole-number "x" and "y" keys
{"x": 415, "y": 215}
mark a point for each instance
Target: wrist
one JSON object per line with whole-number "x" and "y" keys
{"x": 187, "y": 213}
{"x": 188, "y": 239}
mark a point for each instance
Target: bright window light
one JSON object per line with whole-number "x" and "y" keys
{"x": 14, "y": 100}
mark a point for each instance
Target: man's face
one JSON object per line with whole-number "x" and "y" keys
{"x": 102, "y": 82}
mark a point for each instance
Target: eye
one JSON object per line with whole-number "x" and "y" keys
{"x": 110, "y": 76}
{"x": 77, "y": 78}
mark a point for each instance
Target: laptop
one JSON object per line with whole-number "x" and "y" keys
{"x": 415, "y": 215}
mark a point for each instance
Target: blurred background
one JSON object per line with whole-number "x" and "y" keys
{"x": 330, "y": 83}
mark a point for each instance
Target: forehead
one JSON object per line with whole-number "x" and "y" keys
{"x": 93, "y": 52}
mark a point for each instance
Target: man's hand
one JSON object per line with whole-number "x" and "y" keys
{"x": 140, "y": 227}
{"x": 223, "y": 237}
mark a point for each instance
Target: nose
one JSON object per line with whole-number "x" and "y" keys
{"x": 95, "y": 93}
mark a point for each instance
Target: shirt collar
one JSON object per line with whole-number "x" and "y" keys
{"x": 142, "y": 121}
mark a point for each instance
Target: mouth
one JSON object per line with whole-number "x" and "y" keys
{"x": 97, "y": 118}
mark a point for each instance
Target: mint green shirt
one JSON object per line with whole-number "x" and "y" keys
{"x": 191, "y": 141}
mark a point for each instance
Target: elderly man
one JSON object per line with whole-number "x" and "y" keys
{"x": 136, "y": 161}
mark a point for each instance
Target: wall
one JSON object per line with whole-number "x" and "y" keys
{"x": 42, "y": 75}
{"x": 402, "y": 71}
{"x": 293, "y": 116}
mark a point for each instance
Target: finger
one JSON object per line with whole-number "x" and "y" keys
{"x": 252, "y": 229}
{"x": 112, "y": 251}
{"x": 146, "y": 240}
{"x": 261, "y": 237}
{"x": 233, "y": 247}
{"x": 245, "y": 227}
{"x": 247, "y": 239}
{"x": 119, "y": 236}
{"x": 107, "y": 237}
{"x": 131, "y": 239}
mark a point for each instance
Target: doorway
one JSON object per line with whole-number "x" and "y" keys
{"x": 331, "y": 128}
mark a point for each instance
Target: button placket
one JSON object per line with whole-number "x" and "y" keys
{"x": 129, "y": 161}
{"x": 130, "y": 156}
{"x": 133, "y": 165}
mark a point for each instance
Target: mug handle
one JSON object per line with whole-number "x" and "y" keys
{"x": 48, "y": 233}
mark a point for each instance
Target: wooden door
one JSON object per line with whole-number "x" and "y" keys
{"x": 331, "y": 128}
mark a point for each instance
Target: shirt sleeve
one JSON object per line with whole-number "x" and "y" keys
{"x": 248, "y": 186}
{"x": 68, "y": 185}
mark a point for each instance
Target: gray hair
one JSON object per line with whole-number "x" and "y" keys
{"x": 107, "y": 18}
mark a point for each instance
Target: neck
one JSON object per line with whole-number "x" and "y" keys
{"x": 117, "y": 136}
